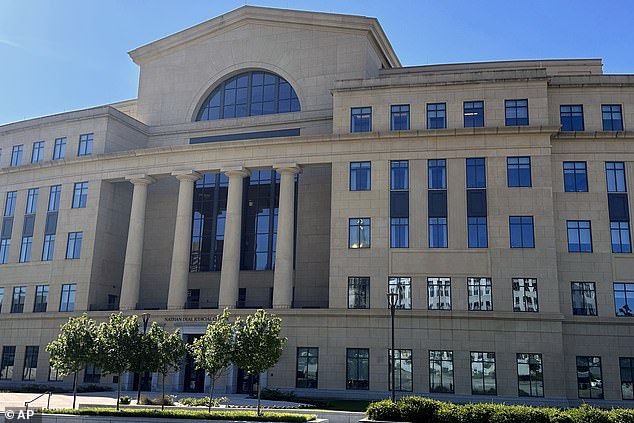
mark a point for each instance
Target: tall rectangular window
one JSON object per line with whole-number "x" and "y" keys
{"x": 483, "y": 377}
{"x": 620, "y": 235}
{"x": 359, "y": 232}
{"x": 615, "y": 176}
{"x": 5, "y": 244}
{"x": 360, "y": 176}
{"x": 437, "y": 232}
{"x": 192, "y": 301}
{"x": 85, "y": 145}
{"x": 626, "y": 365}
{"x": 473, "y": 114}
{"x": 53, "y": 198}
{"x": 439, "y": 293}
{"x": 624, "y": 299}
{"x": 479, "y": 294}
{"x": 399, "y": 232}
{"x": 361, "y": 119}
{"x": 41, "y": 299}
{"x": 516, "y": 112}
{"x": 358, "y": 292}
{"x": 437, "y": 174}
{"x": 48, "y": 248}
{"x": 476, "y": 173}
{"x": 399, "y": 204}
{"x": 575, "y": 177}
{"x": 358, "y": 368}
{"x": 518, "y": 171}
{"x": 476, "y": 203}
{"x": 399, "y": 175}
{"x": 584, "y": 299}
{"x": 73, "y": 248}
{"x": 9, "y": 205}
{"x": 92, "y": 374}
{"x": 589, "y": 377}
{"x": 53, "y": 374}
{"x": 399, "y": 117}
{"x": 67, "y": 301}
{"x": 59, "y": 151}
{"x": 80, "y": 195}
{"x": 579, "y": 236}
{"x": 612, "y": 117}
{"x": 436, "y": 115}
{"x": 530, "y": 375}
{"x": 30, "y": 362}
{"x": 571, "y": 117}
{"x": 16, "y": 155}
{"x": 37, "y": 155}
{"x": 441, "y": 372}
{"x": 525, "y": 295}
{"x": 401, "y": 365}
{"x": 19, "y": 297}
{"x": 521, "y": 232}
{"x": 31, "y": 201}
{"x": 403, "y": 289}
{"x": 25, "y": 249}
{"x": 1, "y": 297}
{"x": 477, "y": 231}
{"x": 307, "y": 373}
{"x": 7, "y": 362}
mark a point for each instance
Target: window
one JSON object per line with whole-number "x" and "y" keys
{"x": 359, "y": 233}
{"x": 30, "y": 362}
{"x": 575, "y": 177}
{"x": 626, "y": 364}
{"x": 624, "y": 299}
{"x": 360, "y": 176}
{"x": 92, "y": 374}
{"x": 53, "y": 375}
{"x": 19, "y": 296}
{"x": 437, "y": 174}
{"x": 516, "y": 112}
{"x": 401, "y": 365}
{"x": 31, "y": 201}
{"x": 403, "y": 288}
{"x": 480, "y": 295}
{"x": 80, "y": 194}
{"x": 48, "y": 248}
{"x": 620, "y": 234}
{"x": 518, "y": 172}
{"x": 307, "y": 368}
{"x": 41, "y": 299}
{"x": 441, "y": 372}
{"x": 399, "y": 118}
{"x": 436, "y": 116}
{"x": 399, "y": 175}
{"x": 477, "y": 232}
{"x": 612, "y": 117}
{"x": 530, "y": 375}
{"x": 7, "y": 363}
{"x": 439, "y": 293}
{"x": 193, "y": 299}
{"x": 358, "y": 368}
{"x": 67, "y": 302}
{"x": 73, "y": 249}
{"x": 521, "y": 232}
{"x": 37, "y": 155}
{"x": 476, "y": 173}
{"x": 249, "y": 94}
{"x": 483, "y": 379}
{"x": 53, "y": 197}
{"x": 5, "y": 244}
{"x": 361, "y": 119}
{"x": 25, "y": 249}
{"x": 16, "y": 155}
{"x": 85, "y": 145}
{"x": 579, "y": 236}
{"x": 59, "y": 151}
{"x": 9, "y": 205}
{"x": 437, "y": 232}
{"x": 589, "y": 378}
{"x": 615, "y": 175}
{"x": 358, "y": 292}
{"x": 1, "y": 297}
{"x": 473, "y": 114}
{"x": 525, "y": 295}
{"x": 399, "y": 232}
{"x": 584, "y": 301}
{"x": 571, "y": 117}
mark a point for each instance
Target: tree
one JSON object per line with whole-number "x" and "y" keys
{"x": 144, "y": 358}
{"x": 212, "y": 351}
{"x": 74, "y": 348}
{"x": 116, "y": 339}
{"x": 170, "y": 350}
{"x": 258, "y": 345}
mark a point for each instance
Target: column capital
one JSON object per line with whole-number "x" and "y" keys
{"x": 140, "y": 179}
{"x": 240, "y": 171}
{"x": 186, "y": 175}
{"x": 292, "y": 168}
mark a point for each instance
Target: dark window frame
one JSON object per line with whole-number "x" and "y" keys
{"x": 583, "y": 287}
{"x": 358, "y": 117}
{"x": 476, "y": 282}
{"x": 483, "y": 361}
{"x": 570, "y": 226}
{"x": 588, "y": 363}
{"x": 516, "y": 166}
{"x": 530, "y": 357}
{"x": 357, "y": 384}
{"x": 522, "y": 224}
{"x": 569, "y": 117}
{"x": 439, "y": 118}
{"x": 575, "y": 176}
{"x": 357, "y": 227}
{"x": 476, "y": 117}
{"x": 627, "y": 310}
{"x": 610, "y": 109}
{"x": 434, "y": 387}
{"x": 512, "y": 108}
{"x": 438, "y": 282}
{"x": 523, "y": 284}
{"x": 307, "y": 383}
{"x": 358, "y": 279}
{"x": 396, "y": 364}
{"x": 356, "y": 168}
{"x": 399, "y": 111}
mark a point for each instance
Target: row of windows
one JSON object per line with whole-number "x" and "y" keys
{"x": 530, "y": 372}
{"x": 59, "y": 150}
{"x": 515, "y": 113}
{"x": 40, "y": 304}
{"x": 29, "y": 369}
{"x": 73, "y": 247}
{"x": 80, "y": 197}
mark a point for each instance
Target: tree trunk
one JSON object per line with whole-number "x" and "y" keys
{"x": 259, "y": 392}
{"x": 211, "y": 391}
{"x": 138, "y": 394}
{"x": 74, "y": 389}
{"x": 118, "y": 389}
{"x": 163, "y": 398}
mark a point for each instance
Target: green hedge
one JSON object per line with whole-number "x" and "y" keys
{"x": 423, "y": 410}
{"x": 186, "y": 414}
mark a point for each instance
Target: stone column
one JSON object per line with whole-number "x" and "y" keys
{"x": 134, "y": 250}
{"x": 179, "y": 273}
{"x": 283, "y": 276}
{"x": 230, "y": 272}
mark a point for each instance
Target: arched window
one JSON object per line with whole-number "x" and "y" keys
{"x": 249, "y": 94}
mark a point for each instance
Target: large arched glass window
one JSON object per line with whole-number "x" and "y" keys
{"x": 249, "y": 94}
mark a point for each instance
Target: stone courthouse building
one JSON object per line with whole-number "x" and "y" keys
{"x": 286, "y": 160}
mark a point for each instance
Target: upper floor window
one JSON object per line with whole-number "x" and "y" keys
{"x": 521, "y": 232}
{"x": 579, "y": 236}
{"x": 249, "y": 94}
{"x": 16, "y": 155}
{"x": 612, "y": 117}
{"x": 624, "y": 299}
{"x": 436, "y": 115}
{"x": 615, "y": 176}
{"x": 19, "y": 297}
{"x": 399, "y": 118}
{"x": 31, "y": 200}
{"x": 473, "y": 114}
{"x": 360, "y": 176}
{"x": 59, "y": 151}
{"x": 399, "y": 175}
{"x": 358, "y": 292}
{"x": 361, "y": 119}
{"x": 9, "y": 205}
{"x": 516, "y": 112}
{"x": 525, "y": 295}
{"x": 402, "y": 287}
{"x": 85, "y": 145}
{"x": 571, "y": 117}
{"x": 73, "y": 248}
{"x": 476, "y": 173}
{"x": 575, "y": 177}
{"x": 437, "y": 174}
{"x": 584, "y": 299}
{"x": 518, "y": 171}
{"x": 37, "y": 155}
{"x": 67, "y": 301}
{"x": 53, "y": 197}
{"x": 80, "y": 194}
{"x": 359, "y": 233}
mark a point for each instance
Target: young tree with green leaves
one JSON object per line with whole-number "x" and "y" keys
{"x": 144, "y": 358}
{"x": 74, "y": 348}
{"x": 170, "y": 351}
{"x": 258, "y": 344}
{"x": 212, "y": 351}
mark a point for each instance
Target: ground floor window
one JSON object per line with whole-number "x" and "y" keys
{"x": 627, "y": 377}
{"x": 6, "y": 362}
{"x": 358, "y": 368}
{"x": 307, "y": 367}
{"x": 483, "y": 377}
{"x": 530, "y": 375}
{"x": 30, "y": 362}
{"x": 401, "y": 365}
{"x": 589, "y": 377}
{"x": 441, "y": 372}
{"x": 53, "y": 375}
{"x": 92, "y": 374}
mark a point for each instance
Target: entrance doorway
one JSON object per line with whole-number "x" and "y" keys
{"x": 247, "y": 384}
{"x": 194, "y": 379}
{"x": 146, "y": 382}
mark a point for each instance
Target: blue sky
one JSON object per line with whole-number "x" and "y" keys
{"x": 64, "y": 55}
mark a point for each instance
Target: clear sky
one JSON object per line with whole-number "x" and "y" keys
{"x": 64, "y": 55}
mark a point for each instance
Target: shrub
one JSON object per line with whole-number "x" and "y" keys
{"x": 277, "y": 395}
{"x": 621, "y": 415}
{"x": 168, "y": 400}
{"x": 419, "y": 408}
{"x": 124, "y": 399}
{"x": 384, "y": 410}
{"x": 198, "y": 402}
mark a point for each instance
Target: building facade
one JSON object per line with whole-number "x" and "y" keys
{"x": 286, "y": 160}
